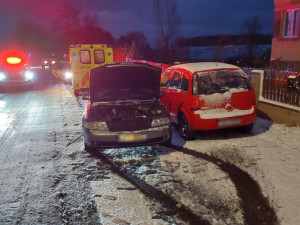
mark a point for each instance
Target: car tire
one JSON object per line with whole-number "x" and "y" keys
{"x": 76, "y": 93}
{"x": 89, "y": 149}
{"x": 184, "y": 128}
{"x": 246, "y": 129}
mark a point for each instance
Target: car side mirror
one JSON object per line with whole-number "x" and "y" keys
{"x": 162, "y": 94}
{"x": 86, "y": 97}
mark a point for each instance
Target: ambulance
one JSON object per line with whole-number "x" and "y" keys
{"x": 83, "y": 58}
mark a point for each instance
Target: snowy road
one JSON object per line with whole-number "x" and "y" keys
{"x": 223, "y": 177}
{"x": 40, "y": 181}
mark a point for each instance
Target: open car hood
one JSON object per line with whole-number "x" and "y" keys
{"x": 124, "y": 81}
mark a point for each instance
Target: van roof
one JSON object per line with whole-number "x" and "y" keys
{"x": 201, "y": 66}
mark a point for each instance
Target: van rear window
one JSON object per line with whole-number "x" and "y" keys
{"x": 220, "y": 81}
{"x": 85, "y": 56}
{"x": 99, "y": 56}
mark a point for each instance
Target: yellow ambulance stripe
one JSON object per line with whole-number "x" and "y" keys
{"x": 55, "y": 74}
{"x": 58, "y": 74}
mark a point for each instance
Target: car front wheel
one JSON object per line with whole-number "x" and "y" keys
{"x": 89, "y": 149}
{"x": 184, "y": 128}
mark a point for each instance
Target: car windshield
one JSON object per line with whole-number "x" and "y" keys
{"x": 220, "y": 81}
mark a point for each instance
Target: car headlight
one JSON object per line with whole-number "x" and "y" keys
{"x": 156, "y": 112}
{"x": 2, "y": 76}
{"x": 160, "y": 122}
{"x": 96, "y": 125}
{"x": 45, "y": 62}
{"x": 28, "y": 75}
{"x": 68, "y": 75}
{"x": 53, "y": 62}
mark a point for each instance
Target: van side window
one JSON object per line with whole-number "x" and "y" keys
{"x": 184, "y": 83}
{"x": 175, "y": 81}
{"x": 85, "y": 56}
{"x": 99, "y": 56}
{"x": 164, "y": 78}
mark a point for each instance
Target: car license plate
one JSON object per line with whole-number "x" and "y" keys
{"x": 132, "y": 137}
{"x": 229, "y": 122}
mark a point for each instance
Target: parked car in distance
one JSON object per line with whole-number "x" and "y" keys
{"x": 49, "y": 61}
{"x": 207, "y": 96}
{"x": 123, "y": 107}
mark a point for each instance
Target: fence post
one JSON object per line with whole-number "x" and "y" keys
{"x": 257, "y": 77}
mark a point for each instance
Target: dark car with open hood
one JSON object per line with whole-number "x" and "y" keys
{"x": 123, "y": 107}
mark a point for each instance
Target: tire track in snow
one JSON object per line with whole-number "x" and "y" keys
{"x": 256, "y": 207}
{"x": 173, "y": 207}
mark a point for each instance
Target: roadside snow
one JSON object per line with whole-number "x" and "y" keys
{"x": 270, "y": 155}
{"x": 120, "y": 203}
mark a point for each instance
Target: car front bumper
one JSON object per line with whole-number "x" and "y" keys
{"x": 16, "y": 79}
{"x": 97, "y": 138}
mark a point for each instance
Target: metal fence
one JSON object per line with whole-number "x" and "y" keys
{"x": 282, "y": 87}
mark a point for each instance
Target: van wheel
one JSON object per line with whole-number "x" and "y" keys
{"x": 246, "y": 129}
{"x": 184, "y": 128}
{"x": 76, "y": 93}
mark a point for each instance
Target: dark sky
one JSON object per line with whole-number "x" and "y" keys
{"x": 198, "y": 17}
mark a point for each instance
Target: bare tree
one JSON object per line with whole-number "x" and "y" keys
{"x": 90, "y": 20}
{"x": 167, "y": 18}
{"x": 68, "y": 18}
{"x": 138, "y": 44}
{"x": 252, "y": 27}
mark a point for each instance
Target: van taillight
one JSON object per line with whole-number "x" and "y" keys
{"x": 13, "y": 60}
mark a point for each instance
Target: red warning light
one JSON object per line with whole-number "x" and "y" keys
{"x": 13, "y": 60}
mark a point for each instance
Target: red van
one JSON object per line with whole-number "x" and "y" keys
{"x": 206, "y": 96}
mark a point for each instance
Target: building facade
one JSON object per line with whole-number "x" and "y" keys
{"x": 286, "y": 34}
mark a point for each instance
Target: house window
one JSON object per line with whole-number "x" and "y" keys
{"x": 292, "y": 23}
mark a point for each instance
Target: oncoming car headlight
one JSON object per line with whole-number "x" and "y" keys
{"x": 28, "y": 75}
{"x": 45, "y": 62}
{"x": 160, "y": 122}
{"x": 53, "y": 62}
{"x": 96, "y": 125}
{"x": 2, "y": 76}
{"x": 68, "y": 75}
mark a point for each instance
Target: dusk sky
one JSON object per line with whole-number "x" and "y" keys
{"x": 198, "y": 17}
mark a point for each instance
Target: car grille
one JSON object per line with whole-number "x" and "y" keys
{"x": 15, "y": 79}
{"x": 129, "y": 125}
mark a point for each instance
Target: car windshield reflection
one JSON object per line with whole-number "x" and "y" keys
{"x": 221, "y": 81}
